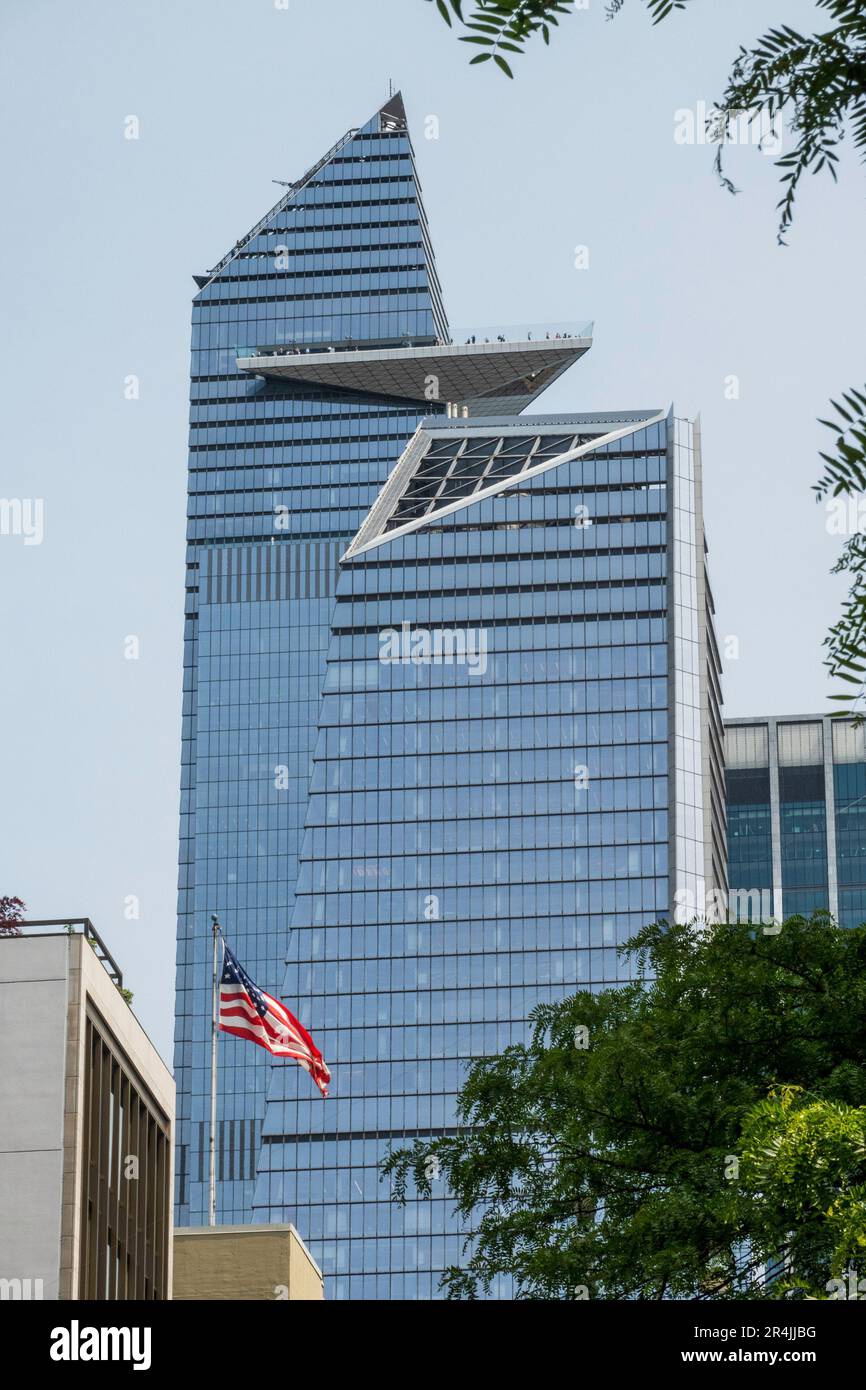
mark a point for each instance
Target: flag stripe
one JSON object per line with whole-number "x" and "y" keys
{"x": 277, "y": 1034}
{"x": 228, "y": 998}
{"x": 249, "y": 1013}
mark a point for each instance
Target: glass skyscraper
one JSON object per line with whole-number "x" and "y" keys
{"x": 517, "y": 735}
{"x": 796, "y": 805}
{"x": 318, "y": 343}
{"x": 453, "y": 725}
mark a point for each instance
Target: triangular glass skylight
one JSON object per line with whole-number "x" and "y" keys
{"x": 456, "y": 469}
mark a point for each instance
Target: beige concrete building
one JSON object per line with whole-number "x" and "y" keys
{"x": 86, "y": 1126}
{"x": 244, "y": 1262}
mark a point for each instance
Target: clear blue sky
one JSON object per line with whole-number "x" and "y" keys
{"x": 102, "y": 235}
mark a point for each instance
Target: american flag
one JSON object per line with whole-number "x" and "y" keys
{"x": 247, "y": 1012}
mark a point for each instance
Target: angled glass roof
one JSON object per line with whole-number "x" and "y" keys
{"x": 456, "y": 469}
{"x": 445, "y": 468}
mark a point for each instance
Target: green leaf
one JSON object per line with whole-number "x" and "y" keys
{"x": 605, "y": 1166}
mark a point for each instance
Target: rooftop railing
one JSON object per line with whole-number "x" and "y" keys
{"x": 521, "y": 332}
{"x": 73, "y": 926}
{"x": 516, "y": 334}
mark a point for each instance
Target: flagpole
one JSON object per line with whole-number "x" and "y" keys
{"x": 213, "y": 1077}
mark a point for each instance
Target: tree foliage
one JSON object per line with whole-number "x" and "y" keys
{"x": 599, "y": 1159}
{"x": 816, "y": 83}
{"x": 803, "y": 1176}
{"x": 11, "y": 913}
{"x": 503, "y": 26}
{"x": 845, "y": 476}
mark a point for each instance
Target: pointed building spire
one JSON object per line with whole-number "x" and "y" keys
{"x": 271, "y": 271}
{"x": 392, "y": 116}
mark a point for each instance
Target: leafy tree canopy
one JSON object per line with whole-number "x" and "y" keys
{"x": 620, "y": 1153}
{"x": 802, "y": 1179}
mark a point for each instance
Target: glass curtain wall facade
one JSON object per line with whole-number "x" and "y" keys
{"x": 280, "y": 477}
{"x": 796, "y": 792}
{"x": 513, "y": 773}
{"x": 849, "y": 805}
{"x": 750, "y": 835}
